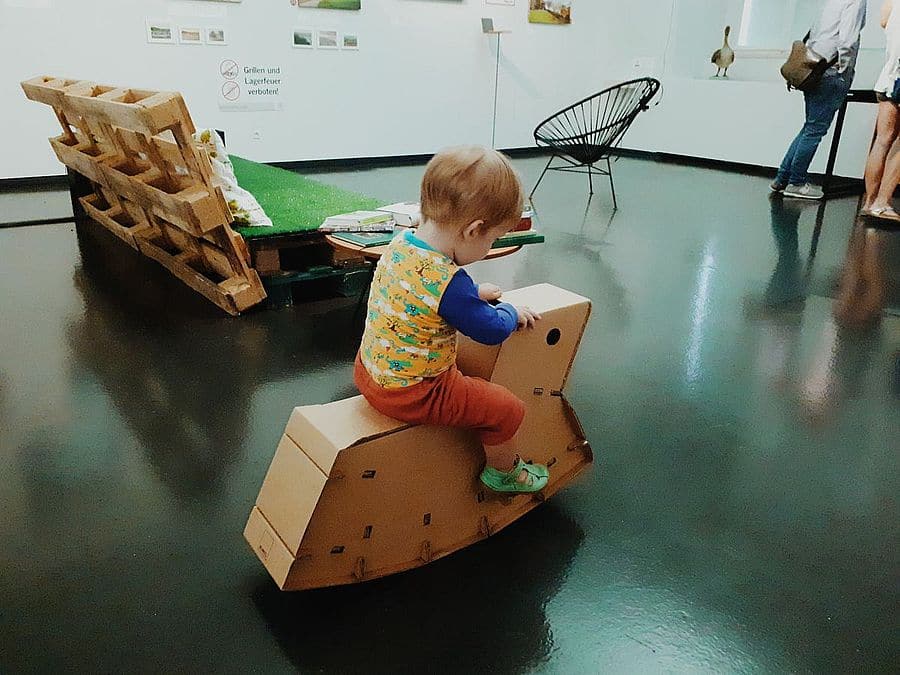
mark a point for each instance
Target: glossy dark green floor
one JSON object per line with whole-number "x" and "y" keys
{"x": 742, "y": 515}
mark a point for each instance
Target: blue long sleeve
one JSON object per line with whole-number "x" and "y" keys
{"x": 470, "y": 315}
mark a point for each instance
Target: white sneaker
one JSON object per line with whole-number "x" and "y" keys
{"x": 808, "y": 191}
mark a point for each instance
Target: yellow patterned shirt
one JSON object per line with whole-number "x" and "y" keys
{"x": 419, "y": 299}
{"x": 406, "y": 340}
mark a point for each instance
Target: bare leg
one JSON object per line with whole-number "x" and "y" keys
{"x": 890, "y": 180}
{"x": 886, "y": 133}
{"x": 503, "y": 457}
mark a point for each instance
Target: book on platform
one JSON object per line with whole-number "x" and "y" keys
{"x": 366, "y": 239}
{"x": 519, "y": 238}
{"x": 359, "y": 221}
{"x": 404, "y": 213}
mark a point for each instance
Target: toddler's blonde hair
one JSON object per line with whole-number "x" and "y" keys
{"x": 468, "y": 183}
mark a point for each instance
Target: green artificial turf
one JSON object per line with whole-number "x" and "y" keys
{"x": 293, "y": 202}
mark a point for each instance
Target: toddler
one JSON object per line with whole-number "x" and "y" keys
{"x": 420, "y": 298}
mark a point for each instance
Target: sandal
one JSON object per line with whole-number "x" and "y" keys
{"x": 537, "y": 477}
{"x": 883, "y": 213}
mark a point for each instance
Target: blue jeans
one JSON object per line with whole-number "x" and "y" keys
{"x": 821, "y": 105}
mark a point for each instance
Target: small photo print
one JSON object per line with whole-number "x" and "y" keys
{"x": 190, "y": 36}
{"x": 304, "y": 38}
{"x": 216, "y": 36}
{"x": 350, "y": 41}
{"x": 160, "y": 32}
{"x": 328, "y": 39}
{"x": 550, "y": 11}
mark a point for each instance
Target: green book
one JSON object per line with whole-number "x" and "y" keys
{"x": 370, "y": 239}
{"x": 521, "y": 238}
{"x": 365, "y": 239}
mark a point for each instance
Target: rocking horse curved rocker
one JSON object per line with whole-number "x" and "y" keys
{"x": 352, "y": 495}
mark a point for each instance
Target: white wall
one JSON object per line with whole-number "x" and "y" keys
{"x": 422, "y": 79}
{"x": 749, "y": 118}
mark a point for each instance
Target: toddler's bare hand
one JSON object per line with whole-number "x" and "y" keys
{"x": 489, "y": 292}
{"x": 527, "y": 317}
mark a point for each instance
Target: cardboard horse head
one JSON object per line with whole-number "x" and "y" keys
{"x": 352, "y": 495}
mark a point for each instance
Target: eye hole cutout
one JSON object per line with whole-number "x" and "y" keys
{"x": 554, "y": 336}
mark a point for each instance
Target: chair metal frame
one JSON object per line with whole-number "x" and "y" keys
{"x": 585, "y": 134}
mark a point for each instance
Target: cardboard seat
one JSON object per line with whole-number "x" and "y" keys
{"x": 352, "y": 495}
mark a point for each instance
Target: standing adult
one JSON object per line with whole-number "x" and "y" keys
{"x": 882, "y": 167}
{"x": 835, "y": 37}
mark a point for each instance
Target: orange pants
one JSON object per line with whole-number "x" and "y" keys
{"x": 451, "y": 399}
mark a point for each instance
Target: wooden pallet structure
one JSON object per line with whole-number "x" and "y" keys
{"x": 153, "y": 187}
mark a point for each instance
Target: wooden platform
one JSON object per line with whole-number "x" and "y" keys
{"x": 152, "y": 186}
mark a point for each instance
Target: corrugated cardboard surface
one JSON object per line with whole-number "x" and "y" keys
{"x": 475, "y": 359}
{"x": 268, "y": 547}
{"x": 290, "y": 492}
{"x": 398, "y": 492}
{"x": 412, "y": 496}
{"x": 527, "y": 360}
{"x": 325, "y": 430}
{"x": 396, "y": 497}
{"x": 544, "y": 297}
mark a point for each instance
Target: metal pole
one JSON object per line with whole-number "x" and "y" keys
{"x": 835, "y": 144}
{"x": 496, "y": 87}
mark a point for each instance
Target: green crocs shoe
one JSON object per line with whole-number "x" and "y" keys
{"x": 505, "y": 481}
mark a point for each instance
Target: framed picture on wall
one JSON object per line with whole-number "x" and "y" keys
{"x": 327, "y": 4}
{"x": 350, "y": 41}
{"x": 216, "y": 35}
{"x": 160, "y": 32}
{"x": 328, "y": 39}
{"x": 304, "y": 38}
{"x": 190, "y": 36}
{"x": 557, "y": 12}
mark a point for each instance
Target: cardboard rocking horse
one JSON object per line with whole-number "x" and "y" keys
{"x": 352, "y": 495}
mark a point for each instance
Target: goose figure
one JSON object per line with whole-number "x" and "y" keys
{"x": 724, "y": 57}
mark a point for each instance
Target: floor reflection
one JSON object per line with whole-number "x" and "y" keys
{"x": 870, "y": 280}
{"x": 479, "y": 610}
{"x": 609, "y": 296}
{"x": 187, "y": 390}
{"x": 866, "y": 290}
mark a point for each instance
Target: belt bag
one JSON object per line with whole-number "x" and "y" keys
{"x": 805, "y": 67}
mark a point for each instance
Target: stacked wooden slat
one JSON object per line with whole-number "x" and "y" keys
{"x": 153, "y": 187}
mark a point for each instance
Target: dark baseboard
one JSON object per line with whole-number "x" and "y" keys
{"x": 34, "y": 183}
{"x": 326, "y": 165}
{"x": 38, "y": 221}
{"x": 723, "y": 165}
{"x": 700, "y": 162}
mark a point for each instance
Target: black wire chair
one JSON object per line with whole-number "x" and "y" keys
{"x": 586, "y": 133}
